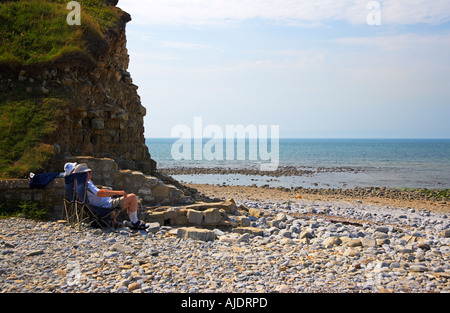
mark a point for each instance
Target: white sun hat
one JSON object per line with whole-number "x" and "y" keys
{"x": 68, "y": 168}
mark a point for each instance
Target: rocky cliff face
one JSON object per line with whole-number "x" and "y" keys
{"x": 106, "y": 118}
{"x": 103, "y": 116}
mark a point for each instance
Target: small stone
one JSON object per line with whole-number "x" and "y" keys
{"x": 287, "y": 241}
{"x": 282, "y": 289}
{"x": 122, "y": 289}
{"x": 255, "y": 212}
{"x": 418, "y": 268}
{"x": 244, "y": 221}
{"x": 110, "y": 254}
{"x": 350, "y": 252}
{"x": 382, "y": 229}
{"x": 403, "y": 250}
{"x": 35, "y": 252}
{"x": 285, "y": 233}
{"x": 196, "y": 234}
{"x": 382, "y": 241}
{"x": 251, "y": 230}
{"x": 133, "y": 286}
{"x": 244, "y": 238}
{"x": 332, "y": 241}
{"x": 281, "y": 217}
{"x": 121, "y": 248}
{"x": 424, "y": 245}
{"x": 218, "y": 232}
{"x": 306, "y": 234}
{"x": 354, "y": 242}
{"x": 153, "y": 227}
{"x": 368, "y": 242}
{"x": 381, "y": 266}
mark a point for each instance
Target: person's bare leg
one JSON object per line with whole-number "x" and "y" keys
{"x": 130, "y": 203}
{"x": 113, "y": 216}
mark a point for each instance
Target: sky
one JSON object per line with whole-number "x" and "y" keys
{"x": 317, "y": 69}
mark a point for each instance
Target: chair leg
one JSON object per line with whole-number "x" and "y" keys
{"x": 80, "y": 216}
{"x": 69, "y": 213}
{"x": 64, "y": 212}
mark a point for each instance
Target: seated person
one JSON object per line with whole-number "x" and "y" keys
{"x": 102, "y": 198}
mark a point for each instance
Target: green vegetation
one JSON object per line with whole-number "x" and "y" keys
{"x": 26, "y": 209}
{"x": 439, "y": 194}
{"x": 36, "y": 31}
{"x": 434, "y": 194}
{"x": 25, "y": 121}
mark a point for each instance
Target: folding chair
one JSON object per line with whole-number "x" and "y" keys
{"x": 70, "y": 212}
{"x": 80, "y": 212}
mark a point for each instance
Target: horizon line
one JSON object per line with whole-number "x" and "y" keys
{"x": 344, "y": 138}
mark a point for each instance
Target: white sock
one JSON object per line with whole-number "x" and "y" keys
{"x": 133, "y": 217}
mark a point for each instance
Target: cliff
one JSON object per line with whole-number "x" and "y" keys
{"x": 65, "y": 90}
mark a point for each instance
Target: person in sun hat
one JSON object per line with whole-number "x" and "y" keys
{"x": 103, "y": 198}
{"x": 68, "y": 168}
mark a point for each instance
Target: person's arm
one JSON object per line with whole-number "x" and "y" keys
{"x": 110, "y": 193}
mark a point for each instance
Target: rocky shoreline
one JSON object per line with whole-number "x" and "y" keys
{"x": 383, "y": 192}
{"x": 406, "y": 194}
{"x": 294, "y": 246}
{"x": 280, "y": 171}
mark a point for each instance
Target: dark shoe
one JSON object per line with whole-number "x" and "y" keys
{"x": 117, "y": 225}
{"x": 139, "y": 225}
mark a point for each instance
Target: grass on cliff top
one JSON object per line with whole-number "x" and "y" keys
{"x": 25, "y": 122}
{"x": 36, "y": 31}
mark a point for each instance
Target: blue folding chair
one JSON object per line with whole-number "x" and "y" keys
{"x": 80, "y": 211}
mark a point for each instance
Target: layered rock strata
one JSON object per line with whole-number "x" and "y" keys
{"x": 104, "y": 116}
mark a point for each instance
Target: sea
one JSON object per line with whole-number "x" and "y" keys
{"x": 332, "y": 163}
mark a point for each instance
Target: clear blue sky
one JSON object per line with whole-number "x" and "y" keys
{"x": 316, "y": 68}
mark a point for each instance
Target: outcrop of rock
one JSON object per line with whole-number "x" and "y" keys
{"x": 104, "y": 116}
{"x": 149, "y": 189}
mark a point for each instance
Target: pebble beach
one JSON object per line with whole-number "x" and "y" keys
{"x": 295, "y": 246}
